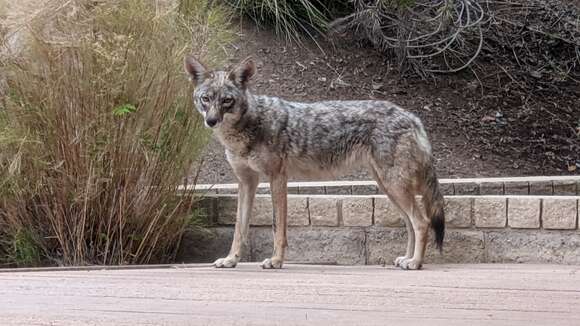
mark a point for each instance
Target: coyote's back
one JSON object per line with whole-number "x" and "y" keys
{"x": 324, "y": 139}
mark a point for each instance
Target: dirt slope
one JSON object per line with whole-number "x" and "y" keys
{"x": 474, "y": 134}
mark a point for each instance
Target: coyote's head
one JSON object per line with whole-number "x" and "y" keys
{"x": 220, "y": 96}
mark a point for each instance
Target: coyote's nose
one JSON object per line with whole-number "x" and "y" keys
{"x": 211, "y": 122}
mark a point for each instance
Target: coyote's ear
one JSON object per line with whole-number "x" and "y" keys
{"x": 197, "y": 72}
{"x": 242, "y": 73}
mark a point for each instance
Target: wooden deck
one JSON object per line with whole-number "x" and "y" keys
{"x": 297, "y": 295}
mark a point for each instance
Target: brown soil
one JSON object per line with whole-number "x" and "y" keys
{"x": 497, "y": 131}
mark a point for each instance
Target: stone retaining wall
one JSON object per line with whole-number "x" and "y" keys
{"x": 556, "y": 185}
{"x": 367, "y": 229}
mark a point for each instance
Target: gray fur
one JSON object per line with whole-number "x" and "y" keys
{"x": 278, "y": 139}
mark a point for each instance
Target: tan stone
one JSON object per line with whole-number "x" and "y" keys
{"x": 338, "y": 190}
{"x": 357, "y": 211}
{"x": 470, "y": 188}
{"x": 323, "y": 211}
{"x": 564, "y": 188}
{"x": 559, "y": 213}
{"x": 364, "y": 190}
{"x": 386, "y": 213}
{"x": 447, "y": 189}
{"x": 491, "y": 188}
{"x": 489, "y": 212}
{"x": 517, "y": 188}
{"x": 524, "y": 213}
{"x": 458, "y": 212}
{"x": 262, "y": 214}
{"x": 541, "y": 188}
{"x": 226, "y": 210}
{"x": 298, "y": 211}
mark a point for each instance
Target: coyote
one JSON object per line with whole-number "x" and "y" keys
{"x": 279, "y": 139}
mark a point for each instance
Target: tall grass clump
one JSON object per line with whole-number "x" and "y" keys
{"x": 291, "y": 19}
{"x": 97, "y": 130}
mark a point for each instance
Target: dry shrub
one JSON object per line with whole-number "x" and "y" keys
{"x": 540, "y": 38}
{"x": 97, "y": 130}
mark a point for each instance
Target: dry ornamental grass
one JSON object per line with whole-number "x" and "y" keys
{"x": 97, "y": 129}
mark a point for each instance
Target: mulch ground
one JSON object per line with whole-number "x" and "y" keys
{"x": 498, "y": 130}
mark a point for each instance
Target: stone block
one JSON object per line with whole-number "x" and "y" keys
{"x": 386, "y": 213}
{"x": 342, "y": 246}
{"x": 491, "y": 188}
{"x": 524, "y": 213}
{"x": 365, "y": 190}
{"x": 298, "y": 211}
{"x": 471, "y": 188}
{"x": 489, "y": 212}
{"x": 565, "y": 187}
{"x": 339, "y": 190}
{"x": 357, "y": 211}
{"x": 206, "y": 207}
{"x": 227, "y": 191}
{"x": 383, "y": 245}
{"x": 294, "y": 190}
{"x": 447, "y": 189}
{"x": 541, "y": 188}
{"x": 559, "y": 213}
{"x": 262, "y": 213}
{"x": 208, "y": 245}
{"x": 517, "y": 188}
{"x": 458, "y": 212}
{"x": 312, "y": 190}
{"x": 226, "y": 210}
{"x": 324, "y": 211}
{"x": 513, "y": 246}
{"x": 460, "y": 246}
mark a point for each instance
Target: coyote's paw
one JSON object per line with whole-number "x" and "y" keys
{"x": 227, "y": 262}
{"x": 410, "y": 264}
{"x": 399, "y": 260}
{"x": 272, "y": 263}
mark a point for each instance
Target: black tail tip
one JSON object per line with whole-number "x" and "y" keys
{"x": 438, "y": 225}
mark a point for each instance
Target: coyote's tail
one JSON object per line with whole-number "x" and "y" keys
{"x": 434, "y": 203}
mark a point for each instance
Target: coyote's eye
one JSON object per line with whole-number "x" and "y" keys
{"x": 228, "y": 101}
{"x": 205, "y": 99}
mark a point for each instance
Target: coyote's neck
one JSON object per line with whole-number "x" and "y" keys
{"x": 240, "y": 136}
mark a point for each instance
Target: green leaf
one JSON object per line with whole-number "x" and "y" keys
{"x": 124, "y": 110}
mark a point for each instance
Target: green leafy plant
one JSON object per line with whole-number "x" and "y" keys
{"x": 24, "y": 249}
{"x": 124, "y": 109}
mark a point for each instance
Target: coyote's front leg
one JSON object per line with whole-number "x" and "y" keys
{"x": 248, "y": 182}
{"x": 278, "y": 186}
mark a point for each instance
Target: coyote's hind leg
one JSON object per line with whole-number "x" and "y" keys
{"x": 417, "y": 228}
{"x": 397, "y": 202}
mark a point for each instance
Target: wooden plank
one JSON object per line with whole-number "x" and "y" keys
{"x": 298, "y": 294}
